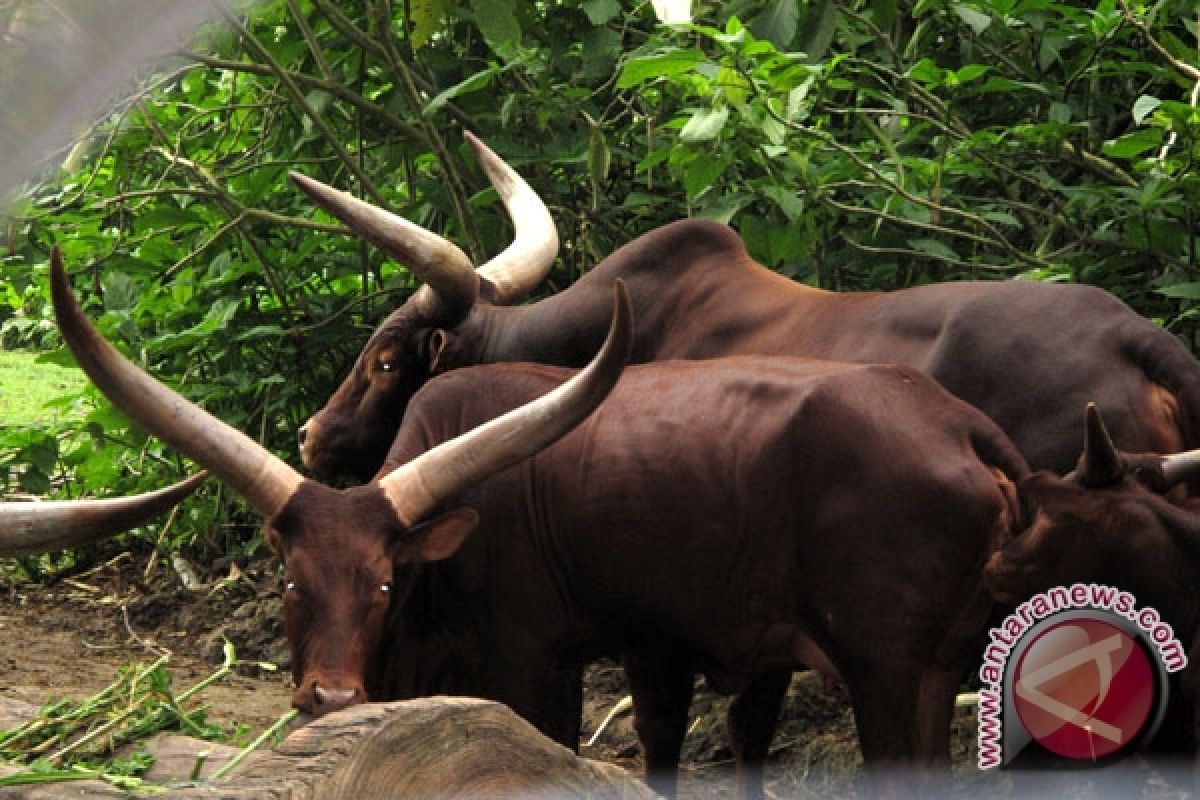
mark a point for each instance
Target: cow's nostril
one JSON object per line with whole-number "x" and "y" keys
{"x": 333, "y": 699}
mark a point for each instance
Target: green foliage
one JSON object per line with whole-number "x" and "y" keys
{"x": 74, "y": 740}
{"x": 854, "y": 145}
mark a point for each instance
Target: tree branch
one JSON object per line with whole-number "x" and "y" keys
{"x": 300, "y": 100}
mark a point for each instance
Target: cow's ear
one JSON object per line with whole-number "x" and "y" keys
{"x": 438, "y": 340}
{"x": 440, "y": 537}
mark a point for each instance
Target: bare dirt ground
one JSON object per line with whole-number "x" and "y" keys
{"x": 69, "y": 639}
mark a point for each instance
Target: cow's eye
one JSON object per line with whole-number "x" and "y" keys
{"x": 290, "y": 586}
{"x": 386, "y": 366}
{"x": 386, "y": 588}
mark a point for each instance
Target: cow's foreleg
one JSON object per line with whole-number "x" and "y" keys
{"x": 884, "y": 702}
{"x": 750, "y": 726}
{"x": 662, "y": 695}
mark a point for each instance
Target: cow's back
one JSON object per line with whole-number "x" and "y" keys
{"x": 1029, "y": 354}
{"x": 1032, "y": 356}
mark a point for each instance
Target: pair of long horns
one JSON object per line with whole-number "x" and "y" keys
{"x": 267, "y": 482}
{"x": 451, "y": 283}
{"x": 1103, "y": 463}
{"x": 31, "y": 528}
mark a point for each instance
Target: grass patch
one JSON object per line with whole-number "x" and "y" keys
{"x": 33, "y": 393}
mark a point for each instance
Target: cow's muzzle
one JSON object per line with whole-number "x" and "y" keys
{"x": 318, "y": 699}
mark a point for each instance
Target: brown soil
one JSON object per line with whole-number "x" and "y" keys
{"x": 69, "y": 639}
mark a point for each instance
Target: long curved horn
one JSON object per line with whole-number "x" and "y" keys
{"x": 32, "y": 528}
{"x": 417, "y": 487}
{"x": 525, "y": 263}
{"x": 451, "y": 284}
{"x": 246, "y": 466}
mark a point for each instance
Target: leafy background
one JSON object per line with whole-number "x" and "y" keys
{"x": 854, "y": 145}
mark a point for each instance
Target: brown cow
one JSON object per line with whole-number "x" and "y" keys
{"x": 1109, "y": 523}
{"x": 1028, "y": 354}
{"x": 708, "y": 518}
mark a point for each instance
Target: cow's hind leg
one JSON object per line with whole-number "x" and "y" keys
{"x": 662, "y": 695}
{"x": 750, "y": 726}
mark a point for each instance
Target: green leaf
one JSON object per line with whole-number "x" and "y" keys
{"x": 705, "y": 125}
{"x": 820, "y": 26}
{"x": 977, "y": 21}
{"x": 499, "y": 26}
{"x": 1006, "y": 85}
{"x": 934, "y": 248}
{"x": 260, "y": 332}
{"x": 601, "y": 49}
{"x": 120, "y": 291}
{"x": 927, "y": 72}
{"x": 702, "y": 173}
{"x": 723, "y": 208}
{"x": 43, "y": 454}
{"x": 637, "y": 71}
{"x": 1134, "y": 144}
{"x": 883, "y": 13}
{"x": 971, "y": 72}
{"x": 1002, "y": 218}
{"x": 600, "y": 12}
{"x": 425, "y": 16}
{"x": 1144, "y": 107}
{"x": 1183, "y": 291}
{"x": 777, "y": 22}
{"x": 478, "y": 81}
{"x": 790, "y": 203}
{"x": 218, "y": 316}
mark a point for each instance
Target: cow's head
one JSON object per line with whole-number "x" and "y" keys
{"x": 352, "y": 432}
{"x": 343, "y": 551}
{"x": 1110, "y": 521}
{"x": 44, "y": 527}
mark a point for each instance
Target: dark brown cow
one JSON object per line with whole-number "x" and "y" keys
{"x": 45, "y": 527}
{"x": 1109, "y": 523}
{"x": 1028, "y": 354}
{"x": 708, "y": 518}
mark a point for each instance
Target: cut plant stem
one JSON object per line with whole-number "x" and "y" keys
{"x": 279, "y": 725}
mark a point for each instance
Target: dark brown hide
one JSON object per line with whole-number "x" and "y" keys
{"x": 1028, "y": 354}
{"x": 710, "y": 518}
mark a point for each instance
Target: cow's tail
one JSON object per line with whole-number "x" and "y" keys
{"x": 1168, "y": 363}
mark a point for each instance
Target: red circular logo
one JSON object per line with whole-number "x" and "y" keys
{"x": 1084, "y": 689}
